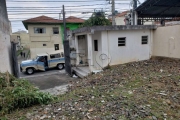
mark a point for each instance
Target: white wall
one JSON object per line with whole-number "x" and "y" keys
{"x": 96, "y": 61}
{"x": 5, "y": 53}
{"x": 133, "y": 51}
{"x": 5, "y": 45}
{"x": 166, "y": 41}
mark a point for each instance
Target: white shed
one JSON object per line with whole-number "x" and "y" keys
{"x": 99, "y": 46}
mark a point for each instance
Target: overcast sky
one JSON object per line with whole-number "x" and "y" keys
{"x": 19, "y": 10}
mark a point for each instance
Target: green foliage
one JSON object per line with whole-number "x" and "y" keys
{"x": 18, "y": 93}
{"x": 28, "y": 54}
{"x": 18, "y": 52}
{"x": 97, "y": 19}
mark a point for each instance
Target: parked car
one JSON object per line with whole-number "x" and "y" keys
{"x": 43, "y": 62}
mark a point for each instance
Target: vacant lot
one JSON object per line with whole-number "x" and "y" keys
{"x": 147, "y": 90}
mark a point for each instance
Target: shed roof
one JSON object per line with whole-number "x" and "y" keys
{"x": 114, "y": 28}
{"x": 159, "y": 8}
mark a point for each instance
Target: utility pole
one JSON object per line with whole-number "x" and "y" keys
{"x": 64, "y": 22}
{"x": 66, "y": 47}
{"x": 113, "y": 13}
{"x": 134, "y": 13}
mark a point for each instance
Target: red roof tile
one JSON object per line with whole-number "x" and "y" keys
{"x": 48, "y": 20}
{"x": 122, "y": 14}
{"x": 42, "y": 19}
{"x": 45, "y": 19}
{"x": 73, "y": 19}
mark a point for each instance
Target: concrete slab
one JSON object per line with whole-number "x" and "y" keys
{"x": 51, "y": 81}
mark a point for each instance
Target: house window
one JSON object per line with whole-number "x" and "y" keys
{"x": 55, "y": 56}
{"x": 56, "y": 46}
{"x": 39, "y": 30}
{"x": 122, "y": 41}
{"x": 55, "y": 30}
{"x": 144, "y": 40}
{"x": 95, "y": 45}
{"x": 44, "y": 44}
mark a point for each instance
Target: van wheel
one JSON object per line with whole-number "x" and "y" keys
{"x": 60, "y": 66}
{"x": 29, "y": 71}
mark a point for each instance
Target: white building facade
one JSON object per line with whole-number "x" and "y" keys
{"x": 98, "y": 47}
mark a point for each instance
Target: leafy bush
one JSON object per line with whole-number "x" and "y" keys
{"x": 97, "y": 19}
{"x": 19, "y": 93}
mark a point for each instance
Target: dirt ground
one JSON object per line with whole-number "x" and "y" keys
{"x": 146, "y": 90}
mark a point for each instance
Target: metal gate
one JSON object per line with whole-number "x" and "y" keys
{"x": 67, "y": 57}
{"x": 14, "y": 60}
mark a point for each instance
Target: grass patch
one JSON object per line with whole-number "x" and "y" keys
{"x": 19, "y": 93}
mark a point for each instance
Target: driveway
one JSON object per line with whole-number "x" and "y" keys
{"x": 48, "y": 81}
{"x": 53, "y": 81}
{"x": 41, "y": 73}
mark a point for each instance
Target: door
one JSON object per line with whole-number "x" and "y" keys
{"x": 41, "y": 63}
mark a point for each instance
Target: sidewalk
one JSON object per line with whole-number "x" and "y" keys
{"x": 22, "y": 58}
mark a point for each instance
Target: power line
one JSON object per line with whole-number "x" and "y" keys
{"x": 65, "y": 1}
{"x": 92, "y": 10}
{"x": 68, "y": 6}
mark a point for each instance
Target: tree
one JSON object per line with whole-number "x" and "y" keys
{"x": 97, "y": 19}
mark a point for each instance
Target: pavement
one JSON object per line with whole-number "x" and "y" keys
{"x": 53, "y": 81}
{"x": 50, "y": 80}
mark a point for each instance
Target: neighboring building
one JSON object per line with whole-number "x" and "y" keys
{"x": 100, "y": 46}
{"x": 72, "y": 23}
{"x": 5, "y": 45}
{"x": 120, "y": 18}
{"x": 22, "y": 38}
{"x": 16, "y": 38}
{"x": 124, "y": 18}
{"x": 44, "y": 35}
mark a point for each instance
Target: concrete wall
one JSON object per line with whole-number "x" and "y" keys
{"x": 96, "y": 61}
{"x": 166, "y": 41}
{"x": 48, "y": 38}
{"x": 133, "y": 51}
{"x": 5, "y": 45}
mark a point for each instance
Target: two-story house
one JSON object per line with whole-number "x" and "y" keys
{"x": 44, "y": 35}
